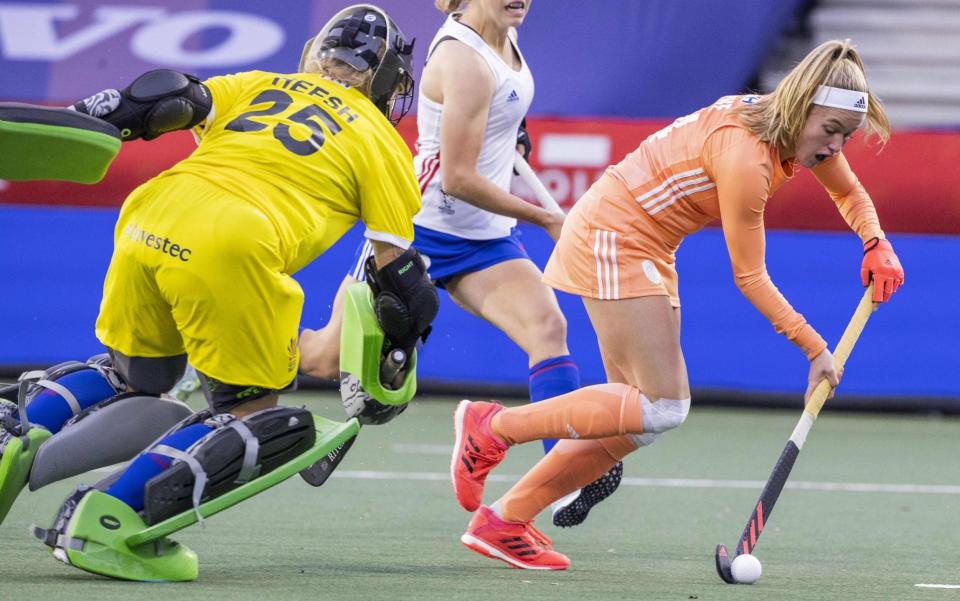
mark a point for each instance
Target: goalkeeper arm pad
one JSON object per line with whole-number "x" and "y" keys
{"x": 157, "y": 102}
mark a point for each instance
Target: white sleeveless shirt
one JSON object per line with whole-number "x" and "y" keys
{"x": 511, "y": 99}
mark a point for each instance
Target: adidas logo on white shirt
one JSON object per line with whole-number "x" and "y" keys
{"x": 513, "y": 97}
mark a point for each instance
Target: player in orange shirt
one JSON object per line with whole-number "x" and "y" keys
{"x": 617, "y": 251}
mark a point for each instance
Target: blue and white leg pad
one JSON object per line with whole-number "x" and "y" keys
{"x": 110, "y": 432}
{"x": 51, "y": 397}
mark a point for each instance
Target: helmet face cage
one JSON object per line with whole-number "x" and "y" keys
{"x": 392, "y": 86}
{"x": 364, "y": 37}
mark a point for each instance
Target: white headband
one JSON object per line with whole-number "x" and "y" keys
{"x": 840, "y": 98}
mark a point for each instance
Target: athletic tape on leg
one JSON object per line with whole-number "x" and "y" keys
{"x": 663, "y": 414}
{"x": 645, "y": 440}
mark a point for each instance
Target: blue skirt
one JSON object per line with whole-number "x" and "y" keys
{"x": 448, "y": 256}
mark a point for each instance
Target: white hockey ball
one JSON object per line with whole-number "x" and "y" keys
{"x": 746, "y": 569}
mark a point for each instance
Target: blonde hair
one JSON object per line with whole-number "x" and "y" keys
{"x": 447, "y": 6}
{"x": 335, "y": 68}
{"x": 779, "y": 117}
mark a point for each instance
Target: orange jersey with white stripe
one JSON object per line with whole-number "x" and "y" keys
{"x": 704, "y": 166}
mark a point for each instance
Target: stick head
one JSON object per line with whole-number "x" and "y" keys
{"x": 722, "y": 557}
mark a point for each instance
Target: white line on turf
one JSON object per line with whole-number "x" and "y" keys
{"x": 932, "y": 489}
{"x": 938, "y": 585}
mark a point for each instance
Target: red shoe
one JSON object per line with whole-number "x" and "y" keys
{"x": 475, "y": 452}
{"x": 518, "y": 544}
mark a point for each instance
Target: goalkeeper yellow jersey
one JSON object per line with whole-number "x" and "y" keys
{"x": 312, "y": 155}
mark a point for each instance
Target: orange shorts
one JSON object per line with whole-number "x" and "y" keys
{"x": 610, "y": 249}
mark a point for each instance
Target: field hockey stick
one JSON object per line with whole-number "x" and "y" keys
{"x": 539, "y": 190}
{"x": 781, "y": 471}
{"x": 317, "y": 473}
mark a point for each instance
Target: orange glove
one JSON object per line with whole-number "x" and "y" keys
{"x": 882, "y": 266}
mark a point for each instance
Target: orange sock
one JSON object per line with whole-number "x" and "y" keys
{"x": 599, "y": 411}
{"x": 572, "y": 464}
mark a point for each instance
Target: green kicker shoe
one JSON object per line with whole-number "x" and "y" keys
{"x": 103, "y": 535}
{"x": 16, "y": 459}
{"x": 95, "y": 540}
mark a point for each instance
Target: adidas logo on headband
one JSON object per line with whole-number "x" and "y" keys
{"x": 840, "y": 98}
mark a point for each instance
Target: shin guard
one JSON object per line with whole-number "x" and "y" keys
{"x": 50, "y": 397}
{"x": 111, "y": 432}
{"x": 101, "y": 534}
{"x": 598, "y": 411}
{"x": 235, "y": 453}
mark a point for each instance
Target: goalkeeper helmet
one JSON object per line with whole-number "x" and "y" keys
{"x": 364, "y": 37}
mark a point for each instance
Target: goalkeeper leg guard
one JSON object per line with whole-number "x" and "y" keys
{"x": 99, "y": 533}
{"x": 235, "y": 452}
{"x": 70, "y": 419}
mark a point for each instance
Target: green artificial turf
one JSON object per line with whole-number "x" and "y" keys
{"x": 394, "y": 534}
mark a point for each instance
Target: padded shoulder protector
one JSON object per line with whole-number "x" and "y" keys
{"x": 158, "y": 84}
{"x": 157, "y": 102}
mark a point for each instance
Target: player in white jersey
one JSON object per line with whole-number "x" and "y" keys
{"x": 476, "y": 88}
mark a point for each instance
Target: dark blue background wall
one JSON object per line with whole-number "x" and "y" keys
{"x": 649, "y": 58}
{"x": 54, "y": 259}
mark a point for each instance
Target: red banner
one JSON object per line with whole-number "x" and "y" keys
{"x": 913, "y": 180}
